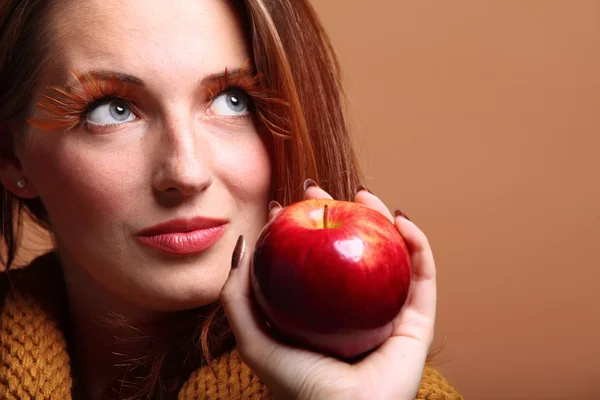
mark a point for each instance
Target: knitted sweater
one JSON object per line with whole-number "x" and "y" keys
{"x": 35, "y": 362}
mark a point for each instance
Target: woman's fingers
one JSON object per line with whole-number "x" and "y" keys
{"x": 313, "y": 191}
{"x": 366, "y": 198}
{"x": 422, "y": 296}
{"x": 274, "y": 208}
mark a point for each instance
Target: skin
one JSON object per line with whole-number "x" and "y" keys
{"x": 391, "y": 371}
{"x": 101, "y": 189}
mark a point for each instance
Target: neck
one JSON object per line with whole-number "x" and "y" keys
{"x": 117, "y": 343}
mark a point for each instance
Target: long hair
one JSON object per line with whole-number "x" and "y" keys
{"x": 310, "y": 137}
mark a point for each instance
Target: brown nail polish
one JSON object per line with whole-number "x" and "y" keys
{"x": 238, "y": 252}
{"x": 360, "y": 187}
{"x": 401, "y": 214}
{"x": 274, "y": 204}
{"x": 308, "y": 183}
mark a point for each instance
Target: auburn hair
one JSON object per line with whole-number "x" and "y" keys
{"x": 289, "y": 47}
{"x": 310, "y": 136}
{"x": 310, "y": 139}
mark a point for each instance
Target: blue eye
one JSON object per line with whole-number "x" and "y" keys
{"x": 232, "y": 103}
{"x": 111, "y": 113}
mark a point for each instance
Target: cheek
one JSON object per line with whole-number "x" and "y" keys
{"x": 247, "y": 170}
{"x": 79, "y": 183}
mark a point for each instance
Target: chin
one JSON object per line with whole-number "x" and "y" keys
{"x": 168, "y": 288}
{"x": 182, "y": 294}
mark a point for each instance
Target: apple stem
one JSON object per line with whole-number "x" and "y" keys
{"x": 325, "y": 212}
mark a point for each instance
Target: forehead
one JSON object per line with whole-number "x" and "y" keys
{"x": 141, "y": 36}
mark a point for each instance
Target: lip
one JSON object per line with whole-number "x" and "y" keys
{"x": 183, "y": 236}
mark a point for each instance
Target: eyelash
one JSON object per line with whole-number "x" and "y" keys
{"x": 93, "y": 104}
{"x": 71, "y": 108}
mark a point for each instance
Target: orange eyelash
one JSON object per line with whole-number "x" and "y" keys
{"x": 252, "y": 84}
{"x": 66, "y": 106}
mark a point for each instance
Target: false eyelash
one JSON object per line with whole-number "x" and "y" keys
{"x": 253, "y": 84}
{"x": 67, "y": 106}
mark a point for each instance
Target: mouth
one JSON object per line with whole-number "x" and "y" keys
{"x": 183, "y": 236}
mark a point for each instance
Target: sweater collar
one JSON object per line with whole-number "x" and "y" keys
{"x": 34, "y": 353}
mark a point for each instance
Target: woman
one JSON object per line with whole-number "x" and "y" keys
{"x": 125, "y": 125}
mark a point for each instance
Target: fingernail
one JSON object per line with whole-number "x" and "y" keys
{"x": 401, "y": 214}
{"x": 238, "y": 252}
{"x": 360, "y": 187}
{"x": 274, "y": 204}
{"x": 308, "y": 183}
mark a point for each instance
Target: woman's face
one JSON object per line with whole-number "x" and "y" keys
{"x": 180, "y": 145}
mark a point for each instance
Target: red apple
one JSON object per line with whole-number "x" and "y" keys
{"x": 331, "y": 275}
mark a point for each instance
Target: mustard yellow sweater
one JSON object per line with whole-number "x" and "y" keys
{"x": 35, "y": 363}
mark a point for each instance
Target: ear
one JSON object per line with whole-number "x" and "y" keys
{"x": 12, "y": 175}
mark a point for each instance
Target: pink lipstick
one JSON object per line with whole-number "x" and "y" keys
{"x": 183, "y": 236}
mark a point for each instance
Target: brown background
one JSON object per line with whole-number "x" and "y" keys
{"x": 481, "y": 119}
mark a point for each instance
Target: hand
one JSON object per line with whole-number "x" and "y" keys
{"x": 392, "y": 371}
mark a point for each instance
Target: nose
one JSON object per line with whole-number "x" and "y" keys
{"x": 184, "y": 162}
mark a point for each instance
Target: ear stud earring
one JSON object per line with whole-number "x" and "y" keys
{"x": 21, "y": 183}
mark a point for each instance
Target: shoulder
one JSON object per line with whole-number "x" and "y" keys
{"x": 33, "y": 350}
{"x": 37, "y": 277}
{"x": 228, "y": 377}
{"x": 435, "y": 387}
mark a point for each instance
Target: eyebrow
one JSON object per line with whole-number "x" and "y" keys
{"x": 221, "y": 75}
{"x": 119, "y": 76}
{"x": 131, "y": 79}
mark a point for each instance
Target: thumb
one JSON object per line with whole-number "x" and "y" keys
{"x": 265, "y": 356}
{"x": 236, "y": 298}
